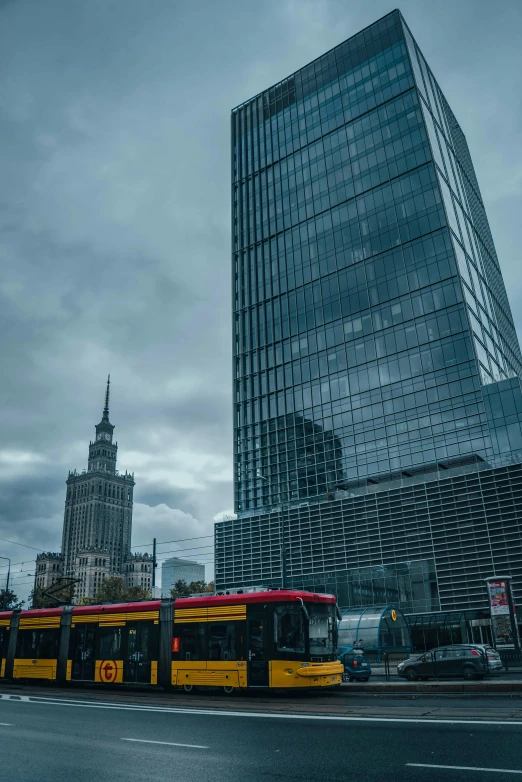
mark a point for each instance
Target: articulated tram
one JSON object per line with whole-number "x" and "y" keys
{"x": 279, "y": 638}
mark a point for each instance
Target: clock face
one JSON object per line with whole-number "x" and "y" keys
{"x": 107, "y": 436}
{"x": 99, "y": 436}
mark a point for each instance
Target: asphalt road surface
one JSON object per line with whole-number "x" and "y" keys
{"x": 48, "y": 736}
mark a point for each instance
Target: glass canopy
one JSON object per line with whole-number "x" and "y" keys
{"x": 375, "y": 628}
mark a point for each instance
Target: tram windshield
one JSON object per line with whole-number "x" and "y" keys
{"x": 297, "y": 626}
{"x": 322, "y": 629}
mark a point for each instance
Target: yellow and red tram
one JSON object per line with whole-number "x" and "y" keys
{"x": 277, "y": 638}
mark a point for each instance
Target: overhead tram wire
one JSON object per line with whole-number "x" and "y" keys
{"x": 164, "y": 542}
{"x": 143, "y": 545}
{"x": 15, "y": 543}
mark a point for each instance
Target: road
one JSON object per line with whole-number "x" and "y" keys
{"x": 54, "y": 736}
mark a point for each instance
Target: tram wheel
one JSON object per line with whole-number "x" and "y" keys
{"x": 188, "y": 688}
{"x": 228, "y": 689}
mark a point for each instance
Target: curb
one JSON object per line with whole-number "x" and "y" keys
{"x": 434, "y": 687}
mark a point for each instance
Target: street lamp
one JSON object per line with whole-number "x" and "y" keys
{"x": 281, "y": 533}
{"x": 7, "y": 584}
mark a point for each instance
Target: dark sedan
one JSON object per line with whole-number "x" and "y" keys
{"x": 469, "y": 661}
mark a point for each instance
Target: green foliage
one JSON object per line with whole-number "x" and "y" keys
{"x": 62, "y": 590}
{"x": 197, "y": 586}
{"x": 9, "y": 601}
{"x": 181, "y": 588}
{"x": 113, "y": 590}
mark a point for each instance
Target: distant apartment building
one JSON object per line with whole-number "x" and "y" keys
{"x": 176, "y": 569}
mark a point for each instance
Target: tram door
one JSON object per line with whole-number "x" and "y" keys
{"x": 136, "y": 667}
{"x": 257, "y": 651}
{"x": 83, "y": 653}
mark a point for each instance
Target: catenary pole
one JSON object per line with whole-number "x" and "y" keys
{"x": 4, "y": 601}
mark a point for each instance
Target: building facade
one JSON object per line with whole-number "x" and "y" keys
{"x": 48, "y": 569}
{"x": 96, "y": 538}
{"x": 177, "y": 569}
{"x": 91, "y": 568}
{"x": 376, "y": 363}
{"x": 138, "y": 571}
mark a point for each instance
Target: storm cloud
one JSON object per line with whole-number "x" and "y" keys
{"x": 115, "y": 223}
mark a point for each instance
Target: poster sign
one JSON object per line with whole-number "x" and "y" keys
{"x": 503, "y": 620}
{"x": 498, "y": 598}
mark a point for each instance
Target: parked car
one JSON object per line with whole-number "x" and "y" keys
{"x": 356, "y": 665}
{"x": 471, "y": 661}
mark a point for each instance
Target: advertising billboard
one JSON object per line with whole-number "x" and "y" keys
{"x": 498, "y": 597}
{"x": 503, "y": 621}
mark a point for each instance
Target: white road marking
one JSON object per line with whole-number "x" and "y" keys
{"x": 467, "y": 768}
{"x": 6, "y": 724}
{"x": 263, "y": 715}
{"x": 167, "y": 743}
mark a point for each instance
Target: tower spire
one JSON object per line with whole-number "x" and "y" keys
{"x": 106, "y": 408}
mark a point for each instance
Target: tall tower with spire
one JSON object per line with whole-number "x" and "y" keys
{"x": 103, "y": 452}
{"x": 98, "y": 514}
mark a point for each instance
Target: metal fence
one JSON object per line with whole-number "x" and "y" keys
{"x": 386, "y": 667}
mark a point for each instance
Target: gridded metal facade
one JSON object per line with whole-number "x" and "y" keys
{"x": 426, "y": 546}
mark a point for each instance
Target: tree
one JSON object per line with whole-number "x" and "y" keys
{"x": 62, "y": 590}
{"x": 197, "y": 586}
{"x": 137, "y": 593}
{"x": 113, "y": 590}
{"x": 180, "y": 588}
{"x": 9, "y": 601}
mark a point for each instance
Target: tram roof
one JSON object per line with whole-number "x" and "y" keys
{"x": 270, "y": 596}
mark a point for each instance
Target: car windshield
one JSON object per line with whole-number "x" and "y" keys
{"x": 322, "y": 629}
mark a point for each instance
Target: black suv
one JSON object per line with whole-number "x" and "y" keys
{"x": 471, "y": 661}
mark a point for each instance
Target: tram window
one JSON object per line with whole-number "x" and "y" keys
{"x": 139, "y": 642}
{"x": 192, "y": 642}
{"x": 221, "y": 642}
{"x": 4, "y": 635}
{"x": 289, "y": 630}
{"x": 38, "y": 644}
{"x": 110, "y": 642}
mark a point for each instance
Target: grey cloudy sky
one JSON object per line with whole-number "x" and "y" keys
{"x": 114, "y": 226}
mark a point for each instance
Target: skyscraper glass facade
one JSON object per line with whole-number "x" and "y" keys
{"x": 369, "y": 308}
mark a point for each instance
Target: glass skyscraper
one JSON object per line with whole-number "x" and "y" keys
{"x": 373, "y": 337}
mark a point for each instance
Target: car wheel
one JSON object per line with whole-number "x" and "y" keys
{"x": 188, "y": 688}
{"x": 228, "y": 689}
{"x": 350, "y": 679}
{"x": 365, "y": 679}
{"x": 412, "y": 675}
{"x": 468, "y": 672}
